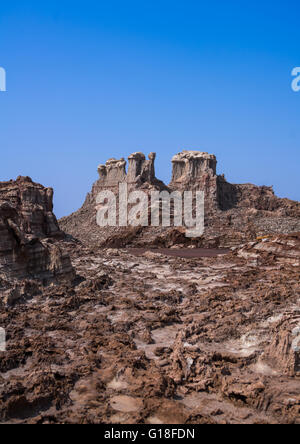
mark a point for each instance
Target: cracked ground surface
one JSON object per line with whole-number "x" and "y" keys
{"x": 148, "y": 338}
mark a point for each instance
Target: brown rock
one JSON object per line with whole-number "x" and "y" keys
{"x": 29, "y": 233}
{"x": 233, "y": 213}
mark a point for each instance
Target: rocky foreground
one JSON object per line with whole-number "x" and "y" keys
{"x": 148, "y": 338}
{"x": 155, "y": 330}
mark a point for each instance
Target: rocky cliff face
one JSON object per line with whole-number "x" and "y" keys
{"x": 34, "y": 205}
{"x": 233, "y": 213}
{"x": 196, "y": 171}
{"x": 189, "y": 168}
{"x": 140, "y": 175}
{"x": 158, "y": 336}
{"x": 112, "y": 172}
{"x": 28, "y": 235}
{"x": 140, "y": 172}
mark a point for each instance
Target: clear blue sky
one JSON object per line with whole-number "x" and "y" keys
{"x": 89, "y": 80}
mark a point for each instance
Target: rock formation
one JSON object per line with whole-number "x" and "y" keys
{"x": 33, "y": 203}
{"x": 135, "y": 167}
{"x": 189, "y": 167}
{"x": 233, "y": 213}
{"x": 283, "y": 352}
{"x": 155, "y": 339}
{"x": 112, "y": 172}
{"x": 284, "y": 249}
{"x": 150, "y": 335}
{"x": 28, "y": 235}
{"x": 196, "y": 171}
{"x": 140, "y": 171}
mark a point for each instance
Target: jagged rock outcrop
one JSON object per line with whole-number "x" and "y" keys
{"x": 112, "y": 172}
{"x": 28, "y": 235}
{"x": 150, "y": 338}
{"x": 196, "y": 171}
{"x": 140, "y": 176}
{"x": 140, "y": 171}
{"x": 283, "y": 352}
{"x": 189, "y": 167}
{"x": 234, "y": 213}
{"x": 33, "y": 204}
{"x": 136, "y": 163}
{"x": 284, "y": 249}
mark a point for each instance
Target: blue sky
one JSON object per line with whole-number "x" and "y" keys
{"x": 89, "y": 80}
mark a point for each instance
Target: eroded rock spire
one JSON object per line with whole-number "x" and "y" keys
{"x": 140, "y": 170}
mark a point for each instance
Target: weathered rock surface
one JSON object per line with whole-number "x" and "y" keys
{"x": 190, "y": 166}
{"x": 140, "y": 176}
{"x": 33, "y": 203}
{"x": 28, "y": 235}
{"x": 171, "y": 336}
{"x": 140, "y": 172}
{"x": 150, "y": 338}
{"x": 279, "y": 248}
{"x": 112, "y": 172}
{"x": 283, "y": 352}
{"x": 233, "y": 213}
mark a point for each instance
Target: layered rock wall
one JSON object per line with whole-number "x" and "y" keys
{"x": 140, "y": 171}
{"x": 196, "y": 171}
{"x": 29, "y": 232}
{"x": 112, "y": 172}
{"x": 189, "y": 167}
{"x": 33, "y": 204}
